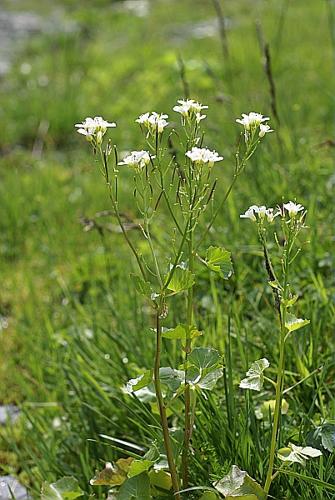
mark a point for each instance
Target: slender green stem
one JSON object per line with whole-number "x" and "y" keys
{"x": 281, "y": 367}
{"x": 162, "y": 410}
{"x": 187, "y": 391}
{"x": 276, "y": 417}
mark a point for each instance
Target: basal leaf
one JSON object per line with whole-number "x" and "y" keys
{"x": 204, "y": 368}
{"x": 218, "y": 259}
{"x": 66, "y": 488}
{"x": 135, "y": 488}
{"x": 238, "y": 484}
{"x": 298, "y": 454}
{"x": 181, "y": 280}
{"x": 292, "y": 323}
{"x": 204, "y": 357}
{"x": 112, "y": 474}
{"x": 254, "y": 379}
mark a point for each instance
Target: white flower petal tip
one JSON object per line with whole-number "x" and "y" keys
{"x": 189, "y": 108}
{"x": 94, "y": 128}
{"x": 252, "y": 120}
{"x": 292, "y": 209}
{"x": 264, "y": 129}
{"x": 137, "y": 160}
{"x": 202, "y": 156}
{"x": 154, "y": 122}
{"x": 255, "y": 213}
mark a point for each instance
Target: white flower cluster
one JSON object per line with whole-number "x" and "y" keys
{"x": 292, "y": 209}
{"x": 137, "y": 160}
{"x": 94, "y": 128}
{"x": 190, "y": 109}
{"x": 202, "y": 156}
{"x": 254, "y": 122}
{"x": 153, "y": 122}
{"x": 260, "y": 213}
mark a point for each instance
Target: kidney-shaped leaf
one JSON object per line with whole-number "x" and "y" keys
{"x": 298, "y": 454}
{"x": 254, "y": 379}
{"x": 238, "y": 484}
{"x": 182, "y": 279}
{"x": 218, "y": 259}
{"x": 204, "y": 357}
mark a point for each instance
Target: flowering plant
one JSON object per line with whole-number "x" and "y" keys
{"x": 182, "y": 186}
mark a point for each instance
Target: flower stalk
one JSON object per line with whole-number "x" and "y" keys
{"x": 162, "y": 409}
{"x": 281, "y": 363}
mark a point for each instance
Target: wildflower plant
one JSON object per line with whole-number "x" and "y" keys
{"x": 177, "y": 187}
{"x": 292, "y": 222}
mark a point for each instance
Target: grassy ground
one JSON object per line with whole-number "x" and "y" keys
{"x": 74, "y": 331}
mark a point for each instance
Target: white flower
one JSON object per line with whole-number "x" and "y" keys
{"x": 250, "y": 213}
{"x": 252, "y": 120}
{"x": 94, "y": 128}
{"x": 261, "y": 212}
{"x": 190, "y": 108}
{"x": 203, "y": 156}
{"x": 252, "y": 123}
{"x": 264, "y": 129}
{"x": 270, "y": 215}
{"x": 143, "y": 119}
{"x": 137, "y": 159}
{"x": 293, "y": 208}
{"x": 154, "y": 122}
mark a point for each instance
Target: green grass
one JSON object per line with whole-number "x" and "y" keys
{"x": 77, "y": 331}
